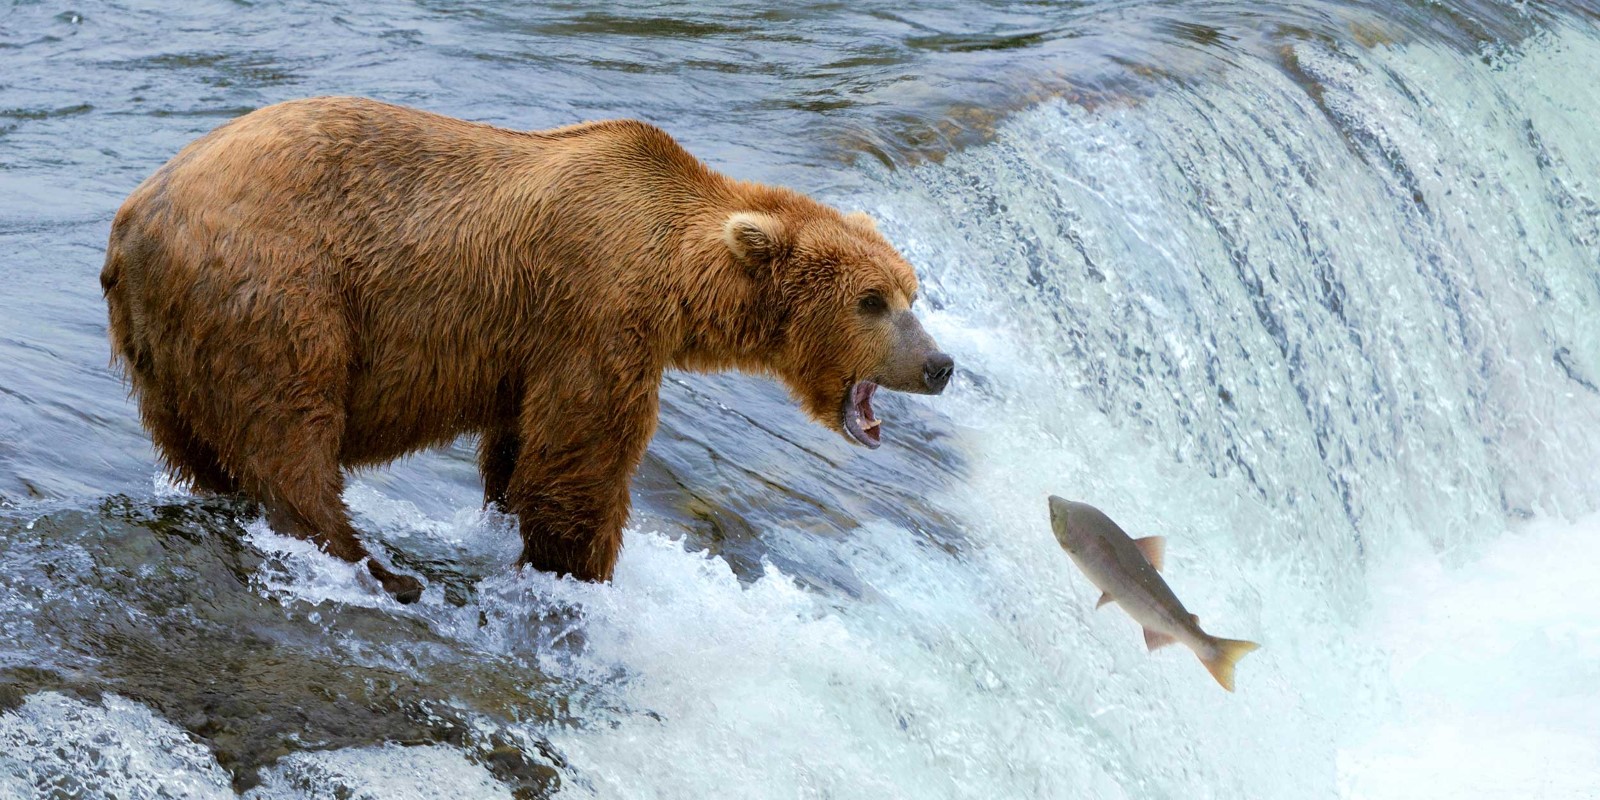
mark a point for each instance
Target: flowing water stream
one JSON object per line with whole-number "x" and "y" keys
{"x": 1310, "y": 288}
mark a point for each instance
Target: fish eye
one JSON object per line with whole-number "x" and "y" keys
{"x": 873, "y": 303}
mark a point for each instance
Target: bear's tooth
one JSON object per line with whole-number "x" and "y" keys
{"x": 870, "y": 425}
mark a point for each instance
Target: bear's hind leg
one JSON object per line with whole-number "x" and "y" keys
{"x": 187, "y": 456}
{"x": 293, "y": 470}
{"x": 281, "y": 387}
{"x": 309, "y": 506}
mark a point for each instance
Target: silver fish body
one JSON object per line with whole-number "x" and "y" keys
{"x": 1126, "y": 570}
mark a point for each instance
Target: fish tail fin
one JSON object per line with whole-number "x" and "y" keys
{"x": 1227, "y": 653}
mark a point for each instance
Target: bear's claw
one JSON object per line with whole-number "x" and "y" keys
{"x": 405, "y": 589}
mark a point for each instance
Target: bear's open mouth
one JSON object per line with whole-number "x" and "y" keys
{"x": 856, "y": 414}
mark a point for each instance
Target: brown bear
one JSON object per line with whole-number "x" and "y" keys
{"x": 337, "y": 282}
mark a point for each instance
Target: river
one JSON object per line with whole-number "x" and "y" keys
{"x": 1310, "y": 288}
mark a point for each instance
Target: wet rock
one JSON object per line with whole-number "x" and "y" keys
{"x": 155, "y": 603}
{"x": 528, "y": 777}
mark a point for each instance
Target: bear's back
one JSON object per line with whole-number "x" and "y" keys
{"x": 378, "y": 200}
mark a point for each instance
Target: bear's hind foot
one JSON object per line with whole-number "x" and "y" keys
{"x": 404, "y": 588}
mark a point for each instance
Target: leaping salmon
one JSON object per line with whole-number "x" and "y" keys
{"x": 1127, "y": 570}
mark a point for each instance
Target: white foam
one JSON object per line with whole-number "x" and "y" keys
{"x": 55, "y": 746}
{"x": 165, "y": 488}
{"x": 760, "y": 690}
{"x": 379, "y": 773}
{"x": 467, "y": 528}
{"x": 1494, "y": 666}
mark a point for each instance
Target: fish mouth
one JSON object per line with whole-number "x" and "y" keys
{"x": 1059, "y": 514}
{"x": 855, "y": 415}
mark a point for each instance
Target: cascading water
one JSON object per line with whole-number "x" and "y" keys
{"x": 1326, "y": 314}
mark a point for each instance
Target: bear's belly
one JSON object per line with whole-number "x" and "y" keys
{"x": 393, "y": 412}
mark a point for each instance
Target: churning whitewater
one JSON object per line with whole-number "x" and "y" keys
{"x": 1325, "y": 315}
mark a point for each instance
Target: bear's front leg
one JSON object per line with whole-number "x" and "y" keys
{"x": 497, "y": 460}
{"x": 570, "y": 533}
{"x": 569, "y": 487}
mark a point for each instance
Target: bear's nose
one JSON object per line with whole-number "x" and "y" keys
{"x": 936, "y": 371}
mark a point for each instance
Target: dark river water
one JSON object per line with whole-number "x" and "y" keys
{"x": 1310, "y": 288}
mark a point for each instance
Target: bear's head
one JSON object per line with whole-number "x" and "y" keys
{"x": 844, "y": 298}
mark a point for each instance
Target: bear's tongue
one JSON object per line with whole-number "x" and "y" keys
{"x": 859, "y": 419}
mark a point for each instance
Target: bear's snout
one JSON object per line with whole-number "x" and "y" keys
{"x": 936, "y": 372}
{"x": 914, "y": 362}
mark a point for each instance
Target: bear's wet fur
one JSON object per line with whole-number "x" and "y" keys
{"x": 336, "y": 282}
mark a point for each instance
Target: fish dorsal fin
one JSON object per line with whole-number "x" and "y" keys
{"x": 1196, "y": 618}
{"x": 1105, "y": 597}
{"x": 1156, "y": 640}
{"x": 1154, "y": 549}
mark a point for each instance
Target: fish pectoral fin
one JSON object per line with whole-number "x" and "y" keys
{"x": 1105, "y": 597}
{"x": 1154, "y": 549}
{"x": 1156, "y": 640}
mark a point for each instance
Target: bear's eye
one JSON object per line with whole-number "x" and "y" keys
{"x": 874, "y": 304}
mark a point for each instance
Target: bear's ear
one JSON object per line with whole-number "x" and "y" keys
{"x": 861, "y": 220}
{"x": 754, "y": 238}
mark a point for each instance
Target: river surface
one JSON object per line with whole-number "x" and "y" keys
{"x": 1310, "y": 288}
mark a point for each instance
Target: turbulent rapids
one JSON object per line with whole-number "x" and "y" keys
{"x": 1310, "y": 289}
